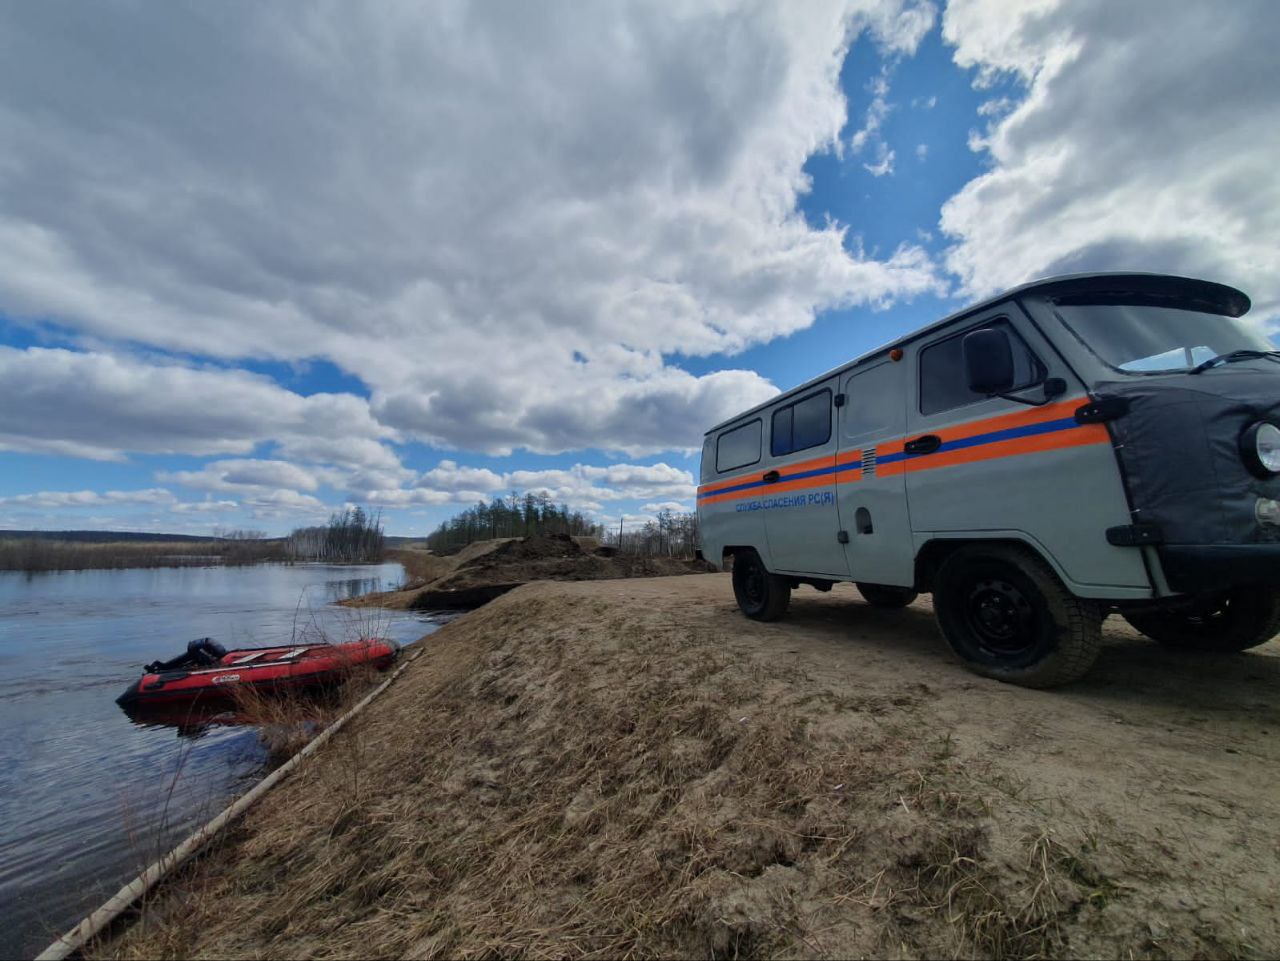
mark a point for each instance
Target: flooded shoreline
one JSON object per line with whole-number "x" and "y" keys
{"x": 86, "y": 795}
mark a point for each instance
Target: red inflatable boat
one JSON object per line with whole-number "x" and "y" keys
{"x": 208, "y": 671}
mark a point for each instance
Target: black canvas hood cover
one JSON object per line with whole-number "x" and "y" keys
{"x": 1179, "y": 448}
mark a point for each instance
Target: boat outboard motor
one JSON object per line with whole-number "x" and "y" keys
{"x": 202, "y": 652}
{"x": 205, "y": 651}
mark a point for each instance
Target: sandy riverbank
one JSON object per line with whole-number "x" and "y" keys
{"x": 630, "y": 767}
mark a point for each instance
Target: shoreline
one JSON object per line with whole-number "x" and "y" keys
{"x": 627, "y": 766}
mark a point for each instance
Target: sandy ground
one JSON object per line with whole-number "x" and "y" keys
{"x": 631, "y": 768}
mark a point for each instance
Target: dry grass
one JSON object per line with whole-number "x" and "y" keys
{"x": 542, "y": 788}
{"x": 420, "y": 566}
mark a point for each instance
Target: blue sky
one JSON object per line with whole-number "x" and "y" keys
{"x": 261, "y": 263}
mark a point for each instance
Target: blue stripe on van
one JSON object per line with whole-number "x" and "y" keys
{"x": 977, "y": 440}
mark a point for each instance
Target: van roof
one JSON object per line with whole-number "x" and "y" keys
{"x": 1202, "y": 294}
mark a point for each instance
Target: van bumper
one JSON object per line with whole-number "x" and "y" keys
{"x": 1196, "y": 568}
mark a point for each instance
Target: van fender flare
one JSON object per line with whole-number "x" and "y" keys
{"x": 935, "y": 547}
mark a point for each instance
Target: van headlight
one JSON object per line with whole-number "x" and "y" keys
{"x": 1260, "y": 448}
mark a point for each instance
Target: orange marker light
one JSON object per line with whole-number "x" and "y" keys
{"x": 895, "y": 354}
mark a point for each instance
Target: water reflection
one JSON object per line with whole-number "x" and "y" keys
{"x": 189, "y": 720}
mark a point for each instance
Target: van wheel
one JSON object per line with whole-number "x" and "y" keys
{"x": 761, "y": 595}
{"x": 886, "y": 595}
{"x": 1223, "y": 624}
{"x": 1006, "y": 615}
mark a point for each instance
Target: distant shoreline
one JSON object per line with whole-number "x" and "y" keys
{"x": 34, "y": 555}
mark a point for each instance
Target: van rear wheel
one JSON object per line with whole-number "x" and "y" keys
{"x": 761, "y": 595}
{"x": 1223, "y": 624}
{"x": 1007, "y": 616}
{"x": 886, "y": 595}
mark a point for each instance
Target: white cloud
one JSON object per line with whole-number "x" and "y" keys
{"x": 583, "y": 486}
{"x": 448, "y": 476}
{"x": 102, "y": 406}
{"x": 205, "y": 507}
{"x": 444, "y": 202}
{"x": 922, "y": 150}
{"x": 1131, "y": 149}
{"x": 296, "y": 507}
{"x": 879, "y": 108}
{"x": 237, "y": 475}
{"x": 884, "y": 162}
{"x": 155, "y": 496}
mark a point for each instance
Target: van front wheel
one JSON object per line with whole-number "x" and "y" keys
{"x": 761, "y": 595}
{"x": 1007, "y": 616}
{"x": 1225, "y": 624}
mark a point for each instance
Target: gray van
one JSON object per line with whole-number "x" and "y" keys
{"x": 1072, "y": 447}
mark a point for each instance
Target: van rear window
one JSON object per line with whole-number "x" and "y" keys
{"x": 738, "y": 447}
{"x": 804, "y": 424}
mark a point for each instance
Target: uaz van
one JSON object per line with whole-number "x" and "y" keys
{"x": 1073, "y": 447}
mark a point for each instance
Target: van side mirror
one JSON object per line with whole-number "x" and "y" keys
{"x": 988, "y": 361}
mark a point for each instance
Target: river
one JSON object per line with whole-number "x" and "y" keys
{"x": 86, "y": 795}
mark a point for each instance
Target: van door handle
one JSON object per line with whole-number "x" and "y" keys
{"x": 923, "y": 445}
{"x": 771, "y": 476}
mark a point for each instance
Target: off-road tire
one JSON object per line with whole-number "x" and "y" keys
{"x": 1229, "y": 624}
{"x": 886, "y": 595}
{"x": 1007, "y": 616}
{"x": 761, "y": 596}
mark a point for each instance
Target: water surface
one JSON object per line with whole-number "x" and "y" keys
{"x": 86, "y": 796}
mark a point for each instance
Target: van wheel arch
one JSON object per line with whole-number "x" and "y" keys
{"x": 730, "y": 552}
{"x": 933, "y": 554}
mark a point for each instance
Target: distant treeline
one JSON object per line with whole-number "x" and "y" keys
{"x": 668, "y": 535}
{"x": 102, "y": 537}
{"x": 352, "y": 536}
{"x": 514, "y": 517}
{"x": 47, "y": 554}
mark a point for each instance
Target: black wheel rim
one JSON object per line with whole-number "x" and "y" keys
{"x": 753, "y": 583}
{"x": 1000, "y": 618}
{"x": 1211, "y": 617}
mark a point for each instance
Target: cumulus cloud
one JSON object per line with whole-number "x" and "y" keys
{"x": 101, "y": 406}
{"x": 237, "y": 475}
{"x": 205, "y": 507}
{"x": 448, "y": 476}
{"x": 1130, "y": 148}
{"x": 582, "y": 486}
{"x": 155, "y": 497}
{"x": 504, "y": 219}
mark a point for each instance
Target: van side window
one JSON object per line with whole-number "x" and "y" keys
{"x": 738, "y": 447}
{"x": 943, "y": 384}
{"x": 804, "y": 424}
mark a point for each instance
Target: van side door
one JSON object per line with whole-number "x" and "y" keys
{"x": 797, "y": 496}
{"x": 871, "y": 484}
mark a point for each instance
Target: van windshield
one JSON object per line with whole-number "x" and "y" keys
{"x": 1151, "y": 339}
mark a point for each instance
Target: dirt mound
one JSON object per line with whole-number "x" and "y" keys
{"x": 488, "y": 569}
{"x": 537, "y": 548}
{"x": 632, "y": 769}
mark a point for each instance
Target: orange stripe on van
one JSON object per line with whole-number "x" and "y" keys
{"x": 1077, "y": 437}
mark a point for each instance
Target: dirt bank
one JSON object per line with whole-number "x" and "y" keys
{"x": 599, "y": 769}
{"x": 488, "y": 569}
